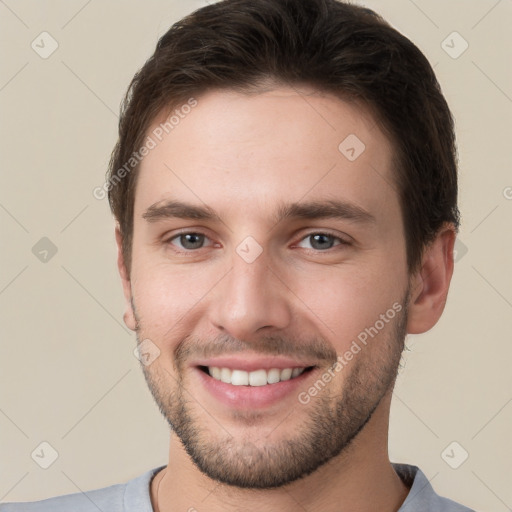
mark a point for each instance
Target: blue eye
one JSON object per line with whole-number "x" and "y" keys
{"x": 324, "y": 241}
{"x": 190, "y": 240}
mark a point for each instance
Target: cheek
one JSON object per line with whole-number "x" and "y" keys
{"x": 167, "y": 300}
{"x": 346, "y": 303}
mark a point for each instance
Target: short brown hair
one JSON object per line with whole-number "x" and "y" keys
{"x": 339, "y": 48}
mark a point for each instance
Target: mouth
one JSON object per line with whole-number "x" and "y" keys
{"x": 248, "y": 384}
{"x": 255, "y": 378}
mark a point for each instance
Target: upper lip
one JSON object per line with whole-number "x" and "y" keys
{"x": 250, "y": 364}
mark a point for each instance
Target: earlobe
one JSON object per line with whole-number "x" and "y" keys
{"x": 430, "y": 285}
{"x": 129, "y": 314}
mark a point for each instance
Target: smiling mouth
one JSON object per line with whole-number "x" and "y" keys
{"x": 255, "y": 378}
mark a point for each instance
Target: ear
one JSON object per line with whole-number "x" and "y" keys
{"x": 429, "y": 286}
{"x": 129, "y": 314}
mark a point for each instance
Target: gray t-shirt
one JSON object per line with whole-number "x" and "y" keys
{"x": 133, "y": 496}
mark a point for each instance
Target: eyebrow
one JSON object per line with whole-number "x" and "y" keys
{"x": 324, "y": 209}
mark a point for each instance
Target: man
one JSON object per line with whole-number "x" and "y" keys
{"x": 285, "y": 191}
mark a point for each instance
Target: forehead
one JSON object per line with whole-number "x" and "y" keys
{"x": 240, "y": 153}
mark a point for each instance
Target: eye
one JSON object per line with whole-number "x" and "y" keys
{"x": 324, "y": 241}
{"x": 189, "y": 241}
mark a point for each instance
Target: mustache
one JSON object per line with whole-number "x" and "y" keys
{"x": 316, "y": 351}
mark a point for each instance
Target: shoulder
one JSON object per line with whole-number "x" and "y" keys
{"x": 108, "y": 499}
{"x": 124, "y": 497}
{"x": 422, "y": 497}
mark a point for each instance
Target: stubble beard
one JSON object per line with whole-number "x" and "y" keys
{"x": 331, "y": 424}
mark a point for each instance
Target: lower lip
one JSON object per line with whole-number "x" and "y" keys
{"x": 252, "y": 397}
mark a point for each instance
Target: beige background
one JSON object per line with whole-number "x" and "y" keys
{"x": 68, "y": 373}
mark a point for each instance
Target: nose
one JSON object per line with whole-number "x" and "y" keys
{"x": 250, "y": 298}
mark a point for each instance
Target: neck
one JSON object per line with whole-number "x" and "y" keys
{"x": 356, "y": 480}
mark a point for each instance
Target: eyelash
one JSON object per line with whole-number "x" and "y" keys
{"x": 342, "y": 242}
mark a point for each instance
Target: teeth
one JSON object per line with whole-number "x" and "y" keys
{"x": 215, "y": 372}
{"x": 273, "y": 376}
{"x": 239, "y": 378}
{"x": 296, "y": 372}
{"x": 286, "y": 374}
{"x": 225, "y": 375}
{"x": 255, "y": 378}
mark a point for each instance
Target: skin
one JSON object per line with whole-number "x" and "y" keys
{"x": 242, "y": 156}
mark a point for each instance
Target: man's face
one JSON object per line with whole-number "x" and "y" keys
{"x": 257, "y": 294}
